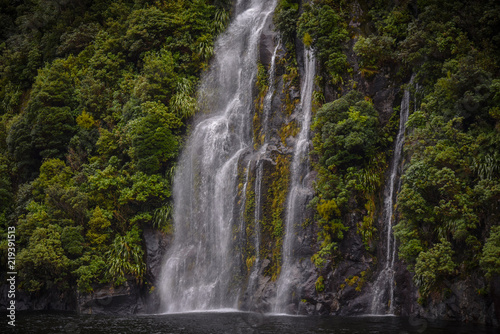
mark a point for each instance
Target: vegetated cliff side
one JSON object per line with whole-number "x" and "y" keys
{"x": 96, "y": 100}
{"x": 95, "y": 107}
{"x": 447, "y": 205}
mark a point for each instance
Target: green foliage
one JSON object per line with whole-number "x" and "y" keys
{"x": 147, "y": 29}
{"x": 6, "y": 198}
{"x": 450, "y": 183}
{"x": 366, "y": 227}
{"x": 374, "y": 50}
{"x": 323, "y": 28}
{"x": 320, "y": 258}
{"x": 433, "y": 265}
{"x": 348, "y": 132}
{"x": 152, "y": 143}
{"x": 98, "y": 227}
{"x": 90, "y": 273}
{"x": 47, "y": 126}
{"x": 285, "y": 19}
{"x": 359, "y": 281}
{"x": 72, "y": 240}
{"x": 451, "y": 180}
{"x": 158, "y": 79}
{"x": 346, "y": 143}
{"x": 163, "y": 218}
{"x": 490, "y": 260}
{"x": 43, "y": 263}
{"x": 94, "y": 100}
{"x": 320, "y": 284}
{"x": 85, "y": 120}
{"x": 126, "y": 257}
{"x": 274, "y": 223}
{"x": 183, "y": 104}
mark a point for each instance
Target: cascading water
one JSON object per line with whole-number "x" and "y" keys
{"x": 383, "y": 288}
{"x": 269, "y": 96}
{"x": 200, "y": 265}
{"x": 266, "y": 110}
{"x": 252, "y": 282}
{"x": 300, "y": 168}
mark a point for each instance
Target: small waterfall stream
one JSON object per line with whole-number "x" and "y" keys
{"x": 270, "y": 93}
{"x": 200, "y": 266}
{"x": 383, "y": 288}
{"x": 259, "y": 173}
{"x": 300, "y": 167}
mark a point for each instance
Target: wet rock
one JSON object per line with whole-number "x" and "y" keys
{"x": 156, "y": 245}
{"x": 320, "y": 308}
{"x": 52, "y": 300}
{"x": 267, "y": 45}
{"x": 460, "y": 301}
{"x": 107, "y": 299}
{"x": 290, "y": 141}
{"x": 495, "y": 296}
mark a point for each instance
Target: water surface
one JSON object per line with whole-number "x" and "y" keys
{"x": 230, "y": 323}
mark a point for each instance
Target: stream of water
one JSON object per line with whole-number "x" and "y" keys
{"x": 200, "y": 268}
{"x": 383, "y": 288}
{"x": 300, "y": 168}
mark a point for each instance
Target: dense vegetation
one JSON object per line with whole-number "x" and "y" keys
{"x": 448, "y": 205}
{"x": 95, "y": 96}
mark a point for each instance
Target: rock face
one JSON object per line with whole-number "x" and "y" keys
{"x": 107, "y": 299}
{"x": 156, "y": 245}
{"x": 129, "y": 298}
{"x": 52, "y": 300}
{"x": 267, "y": 42}
{"x": 347, "y": 291}
{"x": 463, "y": 302}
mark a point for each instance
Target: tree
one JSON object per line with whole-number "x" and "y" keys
{"x": 43, "y": 263}
{"x": 434, "y": 265}
{"x": 98, "y": 227}
{"x": 152, "y": 144}
{"x": 490, "y": 260}
{"x": 348, "y": 132}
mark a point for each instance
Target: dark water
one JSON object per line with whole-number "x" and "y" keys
{"x": 231, "y": 322}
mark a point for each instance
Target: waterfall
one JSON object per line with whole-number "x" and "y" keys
{"x": 270, "y": 93}
{"x": 383, "y": 288}
{"x": 200, "y": 266}
{"x": 252, "y": 283}
{"x": 300, "y": 168}
{"x": 259, "y": 167}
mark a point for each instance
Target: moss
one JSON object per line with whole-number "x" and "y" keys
{"x": 289, "y": 130}
{"x": 320, "y": 284}
{"x": 359, "y": 281}
{"x": 257, "y": 127}
{"x": 250, "y": 262}
{"x": 262, "y": 87}
{"x": 366, "y": 229}
{"x": 249, "y": 221}
{"x": 248, "y": 216}
{"x": 274, "y": 222}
